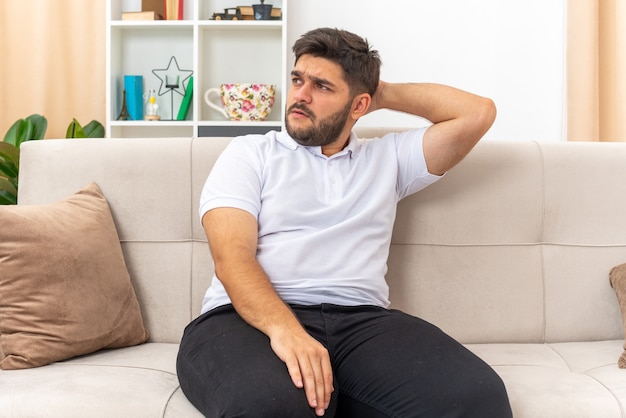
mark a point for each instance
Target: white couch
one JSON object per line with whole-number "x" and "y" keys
{"x": 509, "y": 253}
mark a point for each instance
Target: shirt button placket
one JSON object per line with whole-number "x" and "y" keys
{"x": 335, "y": 192}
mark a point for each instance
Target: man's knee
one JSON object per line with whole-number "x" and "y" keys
{"x": 239, "y": 395}
{"x": 260, "y": 399}
{"x": 486, "y": 398}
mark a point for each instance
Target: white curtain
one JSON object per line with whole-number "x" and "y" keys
{"x": 596, "y": 55}
{"x": 52, "y": 56}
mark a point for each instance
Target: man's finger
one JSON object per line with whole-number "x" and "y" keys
{"x": 327, "y": 373}
{"x": 309, "y": 380}
{"x": 294, "y": 371}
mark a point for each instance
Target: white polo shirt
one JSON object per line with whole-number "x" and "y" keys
{"x": 325, "y": 223}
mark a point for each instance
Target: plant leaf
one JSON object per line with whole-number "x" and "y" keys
{"x": 94, "y": 129}
{"x": 74, "y": 130}
{"x": 8, "y": 169}
{"x": 7, "y": 198}
{"x": 8, "y": 192}
{"x": 19, "y": 132}
{"x": 40, "y": 125}
{"x": 9, "y": 153}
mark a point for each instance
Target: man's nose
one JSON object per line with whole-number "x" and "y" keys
{"x": 303, "y": 93}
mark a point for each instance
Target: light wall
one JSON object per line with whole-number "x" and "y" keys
{"x": 512, "y": 51}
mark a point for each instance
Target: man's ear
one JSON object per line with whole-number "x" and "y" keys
{"x": 360, "y": 105}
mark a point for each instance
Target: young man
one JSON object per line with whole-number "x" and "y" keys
{"x": 295, "y": 323}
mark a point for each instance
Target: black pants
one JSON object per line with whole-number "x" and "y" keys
{"x": 386, "y": 364}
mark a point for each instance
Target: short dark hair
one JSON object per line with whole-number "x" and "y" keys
{"x": 360, "y": 63}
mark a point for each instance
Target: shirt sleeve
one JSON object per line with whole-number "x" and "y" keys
{"x": 235, "y": 180}
{"x": 413, "y": 174}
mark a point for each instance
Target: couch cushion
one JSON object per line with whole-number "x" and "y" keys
{"x": 64, "y": 288}
{"x": 559, "y": 380}
{"x": 543, "y": 381}
{"x": 136, "y": 382}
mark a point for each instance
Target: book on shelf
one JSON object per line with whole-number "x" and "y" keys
{"x": 184, "y": 105}
{"x": 247, "y": 13}
{"x": 156, "y": 6}
{"x": 148, "y": 15}
{"x": 173, "y": 9}
{"x": 133, "y": 85}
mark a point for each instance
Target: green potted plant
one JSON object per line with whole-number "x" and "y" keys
{"x": 31, "y": 128}
{"x": 93, "y": 129}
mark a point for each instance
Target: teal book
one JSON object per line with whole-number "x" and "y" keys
{"x": 184, "y": 105}
{"x": 133, "y": 84}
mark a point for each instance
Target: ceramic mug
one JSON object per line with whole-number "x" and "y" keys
{"x": 243, "y": 101}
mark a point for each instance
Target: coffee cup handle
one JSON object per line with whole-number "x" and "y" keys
{"x": 211, "y": 104}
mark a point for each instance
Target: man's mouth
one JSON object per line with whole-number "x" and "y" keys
{"x": 300, "y": 110}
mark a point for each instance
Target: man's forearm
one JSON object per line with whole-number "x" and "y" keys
{"x": 459, "y": 118}
{"x": 232, "y": 235}
{"x": 254, "y": 297}
{"x": 435, "y": 102}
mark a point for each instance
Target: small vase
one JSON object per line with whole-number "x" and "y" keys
{"x": 262, "y": 11}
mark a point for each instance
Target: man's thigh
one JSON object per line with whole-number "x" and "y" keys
{"x": 396, "y": 365}
{"x": 227, "y": 368}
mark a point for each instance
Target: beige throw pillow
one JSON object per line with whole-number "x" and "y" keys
{"x": 64, "y": 286}
{"x": 617, "y": 277}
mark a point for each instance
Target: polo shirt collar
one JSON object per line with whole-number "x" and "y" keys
{"x": 351, "y": 149}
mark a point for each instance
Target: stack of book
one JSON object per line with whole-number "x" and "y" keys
{"x": 149, "y": 15}
{"x": 157, "y": 10}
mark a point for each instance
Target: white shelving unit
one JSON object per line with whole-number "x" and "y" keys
{"x": 216, "y": 51}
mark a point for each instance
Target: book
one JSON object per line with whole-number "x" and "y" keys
{"x": 173, "y": 9}
{"x": 148, "y": 15}
{"x": 133, "y": 86}
{"x": 153, "y": 6}
{"x": 247, "y": 13}
{"x": 184, "y": 105}
{"x": 246, "y": 10}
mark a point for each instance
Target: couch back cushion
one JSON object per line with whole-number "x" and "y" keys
{"x": 513, "y": 244}
{"x": 152, "y": 188}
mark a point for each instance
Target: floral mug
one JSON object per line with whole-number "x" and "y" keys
{"x": 243, "y": 101}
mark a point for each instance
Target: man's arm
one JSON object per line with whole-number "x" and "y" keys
{"x": 232, "y": 235}
{"x": 459, "y": 118}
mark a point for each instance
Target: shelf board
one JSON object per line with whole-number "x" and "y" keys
{"x": 148, "y": 123}
{"x": 228, "y": 123}
{"x": 234, "y": 24}
{"x": 152, "y": 23}
{"x": 201, "y": 23}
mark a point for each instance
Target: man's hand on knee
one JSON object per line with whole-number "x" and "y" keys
{"x": 308, "y": 364}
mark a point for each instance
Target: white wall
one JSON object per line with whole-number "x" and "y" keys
{"x": 512, "y": 51}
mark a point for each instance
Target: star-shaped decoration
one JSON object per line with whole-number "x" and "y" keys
{"x": 184, "y": 76}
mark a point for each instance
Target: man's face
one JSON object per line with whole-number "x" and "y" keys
{"x": 318, "y": 103}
